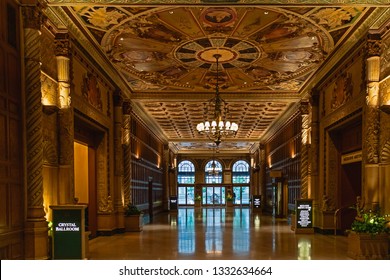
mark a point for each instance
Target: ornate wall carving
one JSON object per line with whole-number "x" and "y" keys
{"x": 342, "y": 91}
{"x": 49, "y": 90}
{"x": 49, "y": 153}
{"x": 105, "y": 202}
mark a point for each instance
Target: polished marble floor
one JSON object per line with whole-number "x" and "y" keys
{"x": 217, "y": 234}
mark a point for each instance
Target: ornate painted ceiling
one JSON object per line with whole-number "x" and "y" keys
{"x": 270, "y": 55}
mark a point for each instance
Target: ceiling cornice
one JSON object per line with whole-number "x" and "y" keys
{"x": 158, "y": 96}
{"x": 143, "y": 118}
{"x": 291, "y": 3}
{"x": 282, "y": 122}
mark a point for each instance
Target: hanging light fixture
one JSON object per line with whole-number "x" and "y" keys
{"x": 213, "y": 171}
{"x": 217, "y": 127}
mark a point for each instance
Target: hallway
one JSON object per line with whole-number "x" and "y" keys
{"x": 217, "y": 234}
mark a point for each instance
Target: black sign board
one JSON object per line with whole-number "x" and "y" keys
{"x": 68, "y": 232}
{"x": 173, "y": 203}
{"x": 256, "y": 201}
{"x": 304, "y": 213}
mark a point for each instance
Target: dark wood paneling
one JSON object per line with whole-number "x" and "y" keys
{"x": 147, "y": 153}
{"x": 11, "y": 127}
{"x": 284, "y": 150}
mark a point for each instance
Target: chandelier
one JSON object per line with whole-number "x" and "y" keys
{"x": 214, "y": 170}
{"x": 217, "y": 127}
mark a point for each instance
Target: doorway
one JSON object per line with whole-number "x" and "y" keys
{"x": 213, "y": 195}
{"x": 85, "y": 183}
{"x": 186, "y": 195}
{"x": 350, "y": 188}
{"x": 241, "y": 195}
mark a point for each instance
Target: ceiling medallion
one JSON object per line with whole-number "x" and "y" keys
{"x": 225, "y": 55}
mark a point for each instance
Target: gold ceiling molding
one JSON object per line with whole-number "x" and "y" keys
{"x": 222, "y": 2}
{"x": 158, "y": 52}
{"x": 378, "y": 16}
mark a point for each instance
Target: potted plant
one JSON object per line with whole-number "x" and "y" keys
{"x": 368, "y": 237}
{"x": 198, "y": 199}
{"x": 230, "y": 198}
{"x": 133, "y": 218}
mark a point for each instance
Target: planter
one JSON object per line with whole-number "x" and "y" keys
{"x": 364, "y": 246}
{"x": 134, "y": 222}
{"x": 293, "y": 221}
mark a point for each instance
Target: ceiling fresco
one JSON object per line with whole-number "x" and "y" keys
{"x": 171, "y": 48}
{"x": 165, "y": 53}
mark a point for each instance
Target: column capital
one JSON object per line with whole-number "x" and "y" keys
{"x": 373, "y": 45}
{"x": 126, "y": 105}
{"x": 304, "y": 107}
{"x": 118, "y": 99}
{"x": 62, "y": 45}
{"x": 33, "y": 17}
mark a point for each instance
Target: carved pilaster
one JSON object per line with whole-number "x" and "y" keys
{"x": 126, "y": 152}
{"x": 62, "y": 52}
{"x": 262, "y": 174}
{"x": 314, "y": 149}
{"x": 305, "y": 148}
{"x": 315, "y": 135}
{"x": 35, "y": 231}
{"x": 32, "y": 20}
{"x": 118, "y": 100}
{"x": 65, "y": 120}
{"x": 118, "y": 160}
{"x": 372, "y": 98}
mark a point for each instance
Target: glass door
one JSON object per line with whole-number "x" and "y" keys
{"x": 241, "y": 195}
{"x": 214, "y": 195}
{"x": 186, "y": 195}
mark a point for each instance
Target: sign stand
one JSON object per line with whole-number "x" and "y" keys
{"x": 256, "y": 203}
{"x": 173, "y": 203}
{"x": 69, "y": 232}
{"x": 304, "y": 216}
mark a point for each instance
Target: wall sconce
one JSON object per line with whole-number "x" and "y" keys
{"x": 171, "y": 168}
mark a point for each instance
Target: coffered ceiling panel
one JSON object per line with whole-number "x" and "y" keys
{"x": 270, "y": 53}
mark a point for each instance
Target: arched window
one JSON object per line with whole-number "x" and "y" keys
{"x": 186, "y": 172}
{"x": 213, "y": 172}
{"x": 240, "y": 172}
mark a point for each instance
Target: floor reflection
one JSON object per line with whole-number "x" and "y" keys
{"x": 212, "y": 228}
{"x": 218, "y": 233}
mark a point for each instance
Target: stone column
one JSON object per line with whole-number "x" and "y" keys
{"x": 65, "y": 121}
{"x": 167, "y": 171}
{"x": 126, "y": 115}
{"x": 314, "y": 145}
{"x": 262, "y": 175}
{"x": 254, "y": 182}
{"x": 118, "y": 159}
{"x": 305, "y": 149}
{"x": 36, "y": 228}
{"x": 371, "y": 124}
